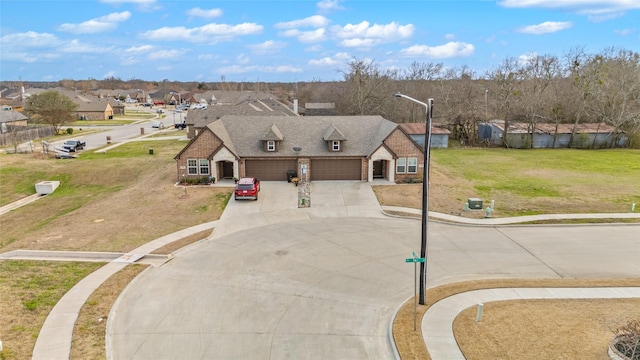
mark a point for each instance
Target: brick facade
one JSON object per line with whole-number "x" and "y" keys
{"x": 201, "y": 147}
{"x": 404, "y": 147}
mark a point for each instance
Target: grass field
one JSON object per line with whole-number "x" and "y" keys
{"x": 526, "y": 182}
{"x": 125, "y": 198}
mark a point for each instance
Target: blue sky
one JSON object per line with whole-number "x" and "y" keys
{"x": 297, "y": 40}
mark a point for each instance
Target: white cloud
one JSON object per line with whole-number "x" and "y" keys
{"x": 312, "y": 21}
{"x": 624, "y": 32}
{"x": 139, "y": 49}
{"x": 242, "y": 59}
{"x": 267, "y": 47}
{"x": 366, "y": 35}
{"x": 449, "y": 36}
{"x": 165, "y": 54}
{"x": 209, "y": 33}
{"x": 358, "y": 43}
{"x": 596, "y": 8}
{"x": 110, "y": 74}
{"x": 76, "y": 47}
{"x": 202, "y": 13}
{"x": 305, "y": 36}
{"x": 524, "y": 58}
{"x": 329, "y": 5}
{"x": 337, "y": 59}
{"x": 391, "y": 31}
{"x": 545, "y": 28}
{"x": 29, "y": 39}
{"x": 97, "y": 25}
{"x": 448, "y": 50}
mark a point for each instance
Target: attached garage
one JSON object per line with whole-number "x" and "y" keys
{"x": 336, "y": 169}
{"x": 269, "y": 170}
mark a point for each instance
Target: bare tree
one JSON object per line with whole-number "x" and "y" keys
{"x": 539, "y": 72}
{"x": 616, "y": 91}
{"x": 506, "y": 80}
{"x": 368, "y": 87}
{"x": 461, "y": 96}
{"x": 52, "y": 108}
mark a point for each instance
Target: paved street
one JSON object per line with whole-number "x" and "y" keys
{"x": 303, "y": 283}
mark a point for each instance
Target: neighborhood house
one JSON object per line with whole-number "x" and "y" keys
{"x": 272, "y": 148}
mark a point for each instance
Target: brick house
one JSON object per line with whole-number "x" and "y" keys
{"x": 326, "y": 147}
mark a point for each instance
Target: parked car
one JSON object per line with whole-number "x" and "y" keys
{"x": 180, "y": 126}
{"x": 199, "y": 106}
{"x": 247, "y": 188}
{"x": 157, "y": 125}
{"x": 182, "y": 107}
{"x": 73, "y": 145}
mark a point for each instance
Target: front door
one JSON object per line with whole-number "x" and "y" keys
{"x": 378, "y": 169}
{"x": 227, "y": 170}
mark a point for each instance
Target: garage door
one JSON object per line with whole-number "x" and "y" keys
{"x": 336, "y": 169}
{"x": 269, "y": 170}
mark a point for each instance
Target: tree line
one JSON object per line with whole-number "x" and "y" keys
{"x": 577, "y": 88}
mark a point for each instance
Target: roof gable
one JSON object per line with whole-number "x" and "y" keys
{"x": 333, "y": 134}
{"x": 273, "y": 134}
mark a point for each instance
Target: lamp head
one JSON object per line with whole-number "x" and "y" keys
{"x": 397, "y": 94}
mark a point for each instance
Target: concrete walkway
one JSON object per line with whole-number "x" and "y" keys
{"x": 54, "y": 339}
{"x": 437, "y": 323}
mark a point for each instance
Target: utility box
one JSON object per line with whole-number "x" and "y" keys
{"x": 474, "y": 204}
{"x": 47, "y": 187}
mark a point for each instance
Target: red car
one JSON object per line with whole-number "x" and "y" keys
{"x": 247, "y": 188}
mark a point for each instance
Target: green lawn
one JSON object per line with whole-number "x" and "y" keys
{"x": 542, "y": 173}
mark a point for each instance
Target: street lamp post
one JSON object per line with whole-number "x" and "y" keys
{"x": 425, "y": 191}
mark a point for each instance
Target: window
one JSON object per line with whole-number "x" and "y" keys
{"x": 271, "y": 145}
{"x": 204, "y": 167}
{"x": 192, "y": 166}
{"x": 401, "y": 165}
{"x": 412, "y": 165}
{"x": 335, "y": 145}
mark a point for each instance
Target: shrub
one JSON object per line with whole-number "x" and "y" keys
{"x": 627, "y": 339}
{"x": 69, "y": 131}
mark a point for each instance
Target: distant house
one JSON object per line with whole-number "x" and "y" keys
{"x": 547, "y": 135}
{"x": 10, "y": 118}
{"x": 439, "y": 136}
{"x": 319, "y": 109}
{"x": 318, "y": 147}
{"x": 239, "y": 103}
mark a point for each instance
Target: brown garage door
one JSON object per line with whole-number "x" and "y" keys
{"x": 269, "y": 170}
{"x": 348, "y": 169}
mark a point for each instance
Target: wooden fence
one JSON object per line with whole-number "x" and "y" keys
{"x": 15, "y": 136}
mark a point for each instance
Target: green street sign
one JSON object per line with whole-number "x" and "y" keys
{"x": 414, "y": 260}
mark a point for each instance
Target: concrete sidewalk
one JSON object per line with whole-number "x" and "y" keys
{"x": 54, "y": 339}
{"x": 511, "y": 220}
{"x": 437, "y": 323}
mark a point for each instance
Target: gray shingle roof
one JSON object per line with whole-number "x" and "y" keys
{"x": 199, "y": 118}
{"x": 243, "y": 135}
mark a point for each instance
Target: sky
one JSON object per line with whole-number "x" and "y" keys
{"x": 294, "y": 40}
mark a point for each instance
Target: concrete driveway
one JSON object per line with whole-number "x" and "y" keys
{"x": 278, "y": 282}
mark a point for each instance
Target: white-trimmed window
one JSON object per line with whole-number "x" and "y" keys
{"x": 204, "y": 167}
{"x": 192, "y": 166}
{"x": 335, "y": 145}
{"x": 412, "y": 165}
{"x": 401, "y": 165}
{"x": 271, "y": 145}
